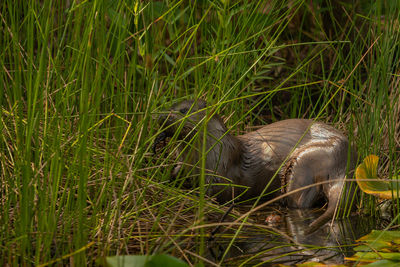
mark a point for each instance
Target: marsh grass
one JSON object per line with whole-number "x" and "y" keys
{"x": 82, "y": 81}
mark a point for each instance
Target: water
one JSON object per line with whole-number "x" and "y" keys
{"x": 285, "y": 242}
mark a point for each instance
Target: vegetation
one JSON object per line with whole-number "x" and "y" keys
{"x": 82, "y": 81}
{"x": 370, "y": 183}
{"x": 378, "y": 248}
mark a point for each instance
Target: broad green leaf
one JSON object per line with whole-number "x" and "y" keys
{"x": 383, "y": 263}
{"x": 160, "y": 260}
{"x": 368, "y": 181}
{"x": 378, "y": 247}
{"x": 373, "y": 256}
{"x": 389, "y": 236}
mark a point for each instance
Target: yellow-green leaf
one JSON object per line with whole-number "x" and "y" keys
{"x": 368, "y": 181}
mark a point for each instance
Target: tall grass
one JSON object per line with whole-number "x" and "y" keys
{"x": 82, "y": 81}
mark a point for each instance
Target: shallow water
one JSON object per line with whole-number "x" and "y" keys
{"x": 284, "y": 241}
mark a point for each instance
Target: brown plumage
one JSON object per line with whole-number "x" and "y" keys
{"x": 314, "y": 152}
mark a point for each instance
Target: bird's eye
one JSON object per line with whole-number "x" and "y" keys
{"x": 183, "y": 110}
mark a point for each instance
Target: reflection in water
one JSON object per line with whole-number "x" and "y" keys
{"x": 286, "y": 242}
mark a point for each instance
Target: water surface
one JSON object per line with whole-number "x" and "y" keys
{"x": 282, "y": 239}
